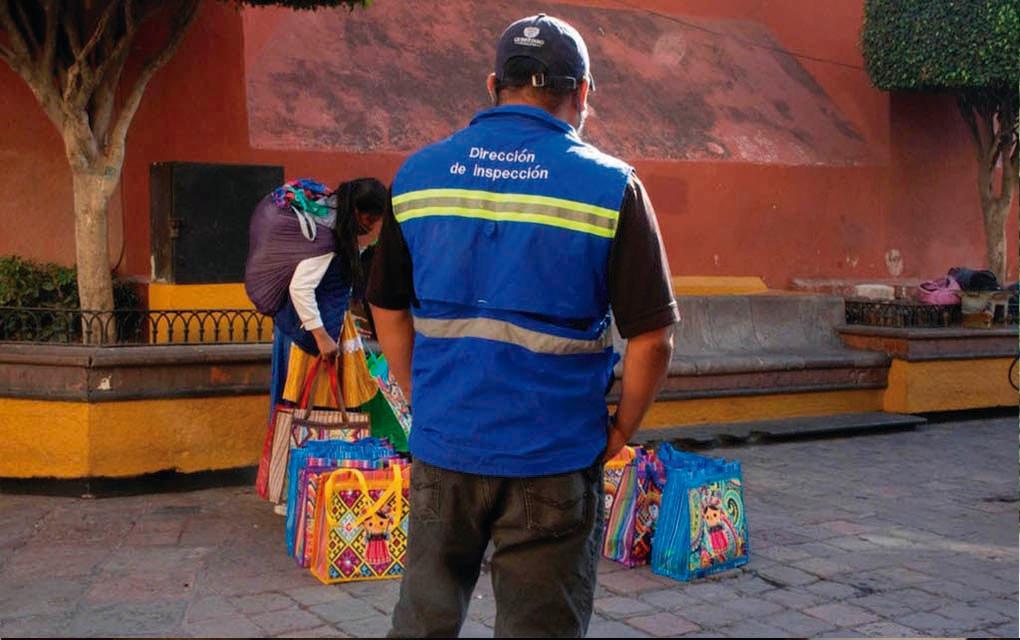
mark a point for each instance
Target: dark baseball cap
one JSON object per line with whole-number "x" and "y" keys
{"x": 551, "y": 41}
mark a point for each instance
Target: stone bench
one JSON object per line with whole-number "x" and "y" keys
{"x": 763, "y": 344}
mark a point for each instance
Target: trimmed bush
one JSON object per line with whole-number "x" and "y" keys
{"x": 24, "y": 283}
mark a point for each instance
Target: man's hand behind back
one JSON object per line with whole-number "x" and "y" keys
{"x": 644, "y": 369}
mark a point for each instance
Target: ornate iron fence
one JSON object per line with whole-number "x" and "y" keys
{"x": 901, "y": 313}
{"x": 912, "y": 314}
{"x": 134, "y": 326}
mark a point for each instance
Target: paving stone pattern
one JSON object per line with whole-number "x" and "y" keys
{"x": 898, "y": 534}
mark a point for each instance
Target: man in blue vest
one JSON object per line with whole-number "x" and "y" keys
{"x": 508, "y": 244}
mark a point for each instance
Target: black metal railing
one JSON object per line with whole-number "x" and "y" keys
{"x": 911, "y": 314}
{"x": 901, "y": 314}
{"x": 133, "y": 326}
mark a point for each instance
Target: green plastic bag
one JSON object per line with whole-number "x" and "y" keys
{"x": 384, "y": 422}
{"x": 391, "y": 416}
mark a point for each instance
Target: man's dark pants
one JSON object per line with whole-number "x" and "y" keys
{"x": 546, "y": 532}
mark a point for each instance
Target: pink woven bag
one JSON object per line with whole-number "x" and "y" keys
{"x": 943, "y": 291}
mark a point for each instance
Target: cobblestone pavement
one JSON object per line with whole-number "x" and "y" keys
{"x": 901, "y": 534}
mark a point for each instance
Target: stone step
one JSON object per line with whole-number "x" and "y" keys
{"x": 708, "y": 435}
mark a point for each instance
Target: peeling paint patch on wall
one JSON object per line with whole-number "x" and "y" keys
{"x": 405, "y": 73}
{"x": 894, "y": 262}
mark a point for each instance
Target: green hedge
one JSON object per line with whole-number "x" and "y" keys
{"x": 24, "y": 283}
{"x": 942, "y": 45}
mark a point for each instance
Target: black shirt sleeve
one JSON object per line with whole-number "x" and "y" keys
{"x": 390, "y": 283}
{"x": 640, "y": 284}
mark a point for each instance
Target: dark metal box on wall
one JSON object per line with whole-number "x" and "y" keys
{"x": 199, "y": 218}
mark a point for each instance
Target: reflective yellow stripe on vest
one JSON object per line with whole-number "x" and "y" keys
{"x": 507, "y": 207}
{"x": 491, "y": 329}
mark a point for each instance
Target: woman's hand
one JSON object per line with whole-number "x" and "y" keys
{"x": 361, "y": 324}
{"x": 328, "y": 347}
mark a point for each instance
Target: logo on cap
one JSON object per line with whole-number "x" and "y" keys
{"x": 529, "y": 39}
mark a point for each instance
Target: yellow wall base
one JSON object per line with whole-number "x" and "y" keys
{"x": 198, "y": 296}
{"x": 40, "y": 438}
{"x": 949, "y": 385}
{"x": 163, "y": 297}
{"x": 672, "y": 413}
{"x": 43, "y": 438}
{"x": 717, "y": 285}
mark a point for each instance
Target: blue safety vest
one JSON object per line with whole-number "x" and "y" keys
{"x": 509, "y": 223}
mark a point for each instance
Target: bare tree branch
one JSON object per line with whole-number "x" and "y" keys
{"x": 18, "y": 44}
{"x": 18, "y": 56}
{"x": 23, "y": 67}
{"x": 969, "y": 116}
{"x": 77, "y": 72}
{"x": 1006, "y": 138}
{"x": 47, "y": 96}
{"x": 967, "y": 113}
{"x": 981, "y": 130}
{"x": 8, "y": 56}
{"x": 115, "y": 59}
{"x": 990, "y": 140}
{"x": 71, "y": 30}
{"x": 50, "y": 41}
{"x": 100, "y": 29}
{"x": 104, "y": 97}
{"x": 1010, "y": 172}
{"x": 179, "y": 27}
{"x": 106, "y": 80}
{"x": 27, "y": 29}
{"x": 999, "y": 150}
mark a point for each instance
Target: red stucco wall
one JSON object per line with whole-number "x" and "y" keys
{"x": 915, "y": 194}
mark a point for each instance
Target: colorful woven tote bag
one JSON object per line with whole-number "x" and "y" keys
{"x": 368, "y": 453}
{"x": 294, "y": 427}
{"x": 633, "y": 489}
{"x": 262, "y": 478}
{"x": 361, "y": 525}
{"x": 702, "y": 526}
{"x": 357, "y": 385}
{"x": 310, "y": 481}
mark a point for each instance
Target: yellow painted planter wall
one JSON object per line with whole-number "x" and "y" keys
{"x": 36, "y": 435}
{"x": 717, "y": 285}
{"x": 949, "y": 385}
{"x": 198, "y": 296}
{"x": 40, "y": 438}
{"x": 204, "y": 296}
{"x": 671, "y": 413}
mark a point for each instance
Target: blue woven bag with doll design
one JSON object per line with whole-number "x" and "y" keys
{"x": 702, "y": 526}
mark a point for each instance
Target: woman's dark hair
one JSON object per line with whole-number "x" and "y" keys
{"x": 366, "y": 195}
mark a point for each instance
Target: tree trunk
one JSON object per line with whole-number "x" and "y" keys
{"x": 92, "y": 190}
{"x": 996, "y": 207}
{"x": 996, "y": 212}
{"x": 990, "y": 127}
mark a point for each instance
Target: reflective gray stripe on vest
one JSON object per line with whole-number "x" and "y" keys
{"x": 501, "y": 331}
